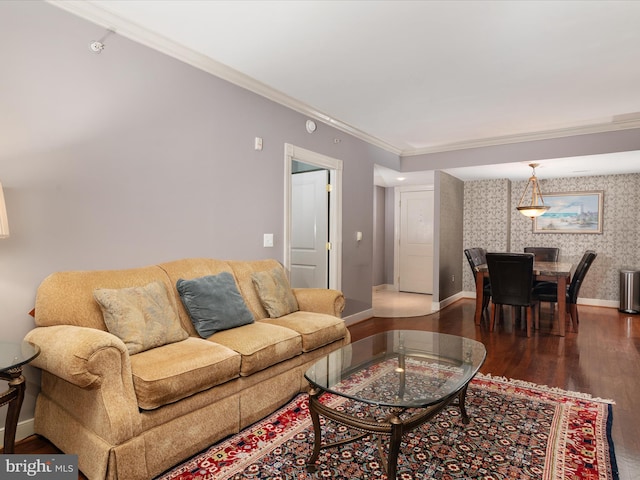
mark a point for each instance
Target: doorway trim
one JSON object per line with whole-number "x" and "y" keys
{"x": 291, "y": 152}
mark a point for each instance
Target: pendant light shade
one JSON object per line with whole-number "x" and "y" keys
{"x": 531, "y": 202}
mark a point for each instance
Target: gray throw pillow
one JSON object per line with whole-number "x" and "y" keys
{"x": 214, "y": 303}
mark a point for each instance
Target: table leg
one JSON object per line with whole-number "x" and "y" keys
{"x": 317, "y": 432}
{"x": 562, "y": 304}
{"x": 392, "y": 427}
{"x": 13, "y": 397}
{"x": 461, "y": 404}
{"x": 394, "y": 447}
{"x": 479, "y": 296}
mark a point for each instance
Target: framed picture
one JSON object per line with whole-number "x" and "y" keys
{"x": 571, "y": 212}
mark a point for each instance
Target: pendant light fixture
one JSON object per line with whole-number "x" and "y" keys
{"x": 536, "y": 206}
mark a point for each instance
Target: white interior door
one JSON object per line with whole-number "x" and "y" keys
{"x": 309, "y": 229}
{"x": 415, "y": 251}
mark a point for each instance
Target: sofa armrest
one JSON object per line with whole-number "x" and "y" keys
{"x": 320, "y": 300}
{"x": 97, "y": 367}
{"x": 69, "y": 352}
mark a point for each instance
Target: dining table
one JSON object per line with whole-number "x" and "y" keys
{"x": 558, "y": 272}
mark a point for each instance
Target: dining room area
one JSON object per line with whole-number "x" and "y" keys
{"x": 577, "y": 289}
{"x": 492, "y": 222}
{"x": 549, "y": 267}
{"x": 524, "y": 281}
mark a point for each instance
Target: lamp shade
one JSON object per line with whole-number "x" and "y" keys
{"x": 533, "y": 211}
{"x": 536, "y": 206}
{"x": 4, "y": 222}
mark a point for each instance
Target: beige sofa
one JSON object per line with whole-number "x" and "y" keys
{"x": 133, "y": 416}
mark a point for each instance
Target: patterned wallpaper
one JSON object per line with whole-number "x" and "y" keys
{"x": 486, "y": 220}
{"x": 491, "y": 221}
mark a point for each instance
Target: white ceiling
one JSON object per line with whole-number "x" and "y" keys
{"x": 415, "y": 76}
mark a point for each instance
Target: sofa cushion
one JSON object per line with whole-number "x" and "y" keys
{"x": 260, "y": 344}
{"x": 316, "y": 329}
{"x": 169, "y": 373}
{"x": 213, "y": 303}
{"x": 142, "y": 317}
{"x": 275, "y": 292}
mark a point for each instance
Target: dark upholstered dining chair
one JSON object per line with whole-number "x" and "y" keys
{"x": 475, "y": 257}
{"x": 549, "y": 293}
{"x": 544, "y": 254}
{"x": 511, "y": 276}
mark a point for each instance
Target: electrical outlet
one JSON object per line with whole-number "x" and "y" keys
{"x": 453, "y": 279}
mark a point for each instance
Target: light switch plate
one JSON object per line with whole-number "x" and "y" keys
{"x": 268, "y": 240}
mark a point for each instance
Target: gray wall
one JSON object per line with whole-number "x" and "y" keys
{"x": 130, "y": 158}
{"x": 389, "y": 234}
{"x": 449, "y": 200}
{"x": 378, "y": 235}
{"x": 491, "y": 221}
{"x": 525, "y": 152}
{"x": 384, "y": 236}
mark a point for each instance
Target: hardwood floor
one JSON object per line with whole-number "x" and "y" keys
{"x": 603, "y": 359}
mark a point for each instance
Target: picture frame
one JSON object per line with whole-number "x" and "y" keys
{"x": 571, "y": 212}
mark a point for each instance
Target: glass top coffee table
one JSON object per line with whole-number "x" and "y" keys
{"x": 402, "y": 378}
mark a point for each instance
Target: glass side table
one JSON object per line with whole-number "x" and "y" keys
{"x": 13, "y": 356}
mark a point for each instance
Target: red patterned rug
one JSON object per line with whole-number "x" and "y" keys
{"x": 518, "y": 430}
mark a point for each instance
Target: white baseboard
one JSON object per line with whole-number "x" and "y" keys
{"x": 385, "y": 287}
{"x": 25, "y": 429}
{"x": 448, "y": 301}
{"x": 594, "y": 302}
{"x": 357, "y": 317}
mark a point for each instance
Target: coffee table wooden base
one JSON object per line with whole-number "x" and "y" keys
{"x": 392, "y": 426}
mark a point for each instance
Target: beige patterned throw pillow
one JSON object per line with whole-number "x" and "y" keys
{"x": 275, "y": 292}
{"x": 142, "y": 317}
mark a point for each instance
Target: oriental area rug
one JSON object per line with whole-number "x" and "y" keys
{"x": 518, "y": 430}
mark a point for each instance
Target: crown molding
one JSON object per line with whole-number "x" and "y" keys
{"x": 613, "y": 126}
{"x": 133, "y": 31}
{"x": 139, "y": 34}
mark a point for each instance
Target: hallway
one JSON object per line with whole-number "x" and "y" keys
{"x": 392, "y": 304}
